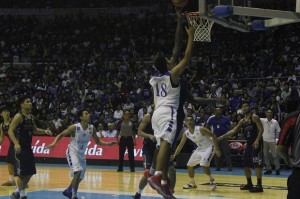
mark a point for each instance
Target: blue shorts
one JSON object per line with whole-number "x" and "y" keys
{"x": 25, "y": 164}
{"x": 253, "y": 157}
{"x": 148, "y": 153}
{"x": 10, "y": 158}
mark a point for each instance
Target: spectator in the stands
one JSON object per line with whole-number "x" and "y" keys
{"x": 111, "y": 131}
{"x": 128, "y": 105}
{"x": 100, "y": 131}
{"x": 285, "y": 93}
{"x": 118, "y": 113}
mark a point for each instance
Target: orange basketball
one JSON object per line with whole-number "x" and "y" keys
{"x": 180, "y": 3}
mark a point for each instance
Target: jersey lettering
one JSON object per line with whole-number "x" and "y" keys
{"x": 161, "y": 90}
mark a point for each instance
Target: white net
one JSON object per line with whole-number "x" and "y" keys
{"x": 202, "y": 27}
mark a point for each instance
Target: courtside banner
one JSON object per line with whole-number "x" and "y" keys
{"x": 93, "y": 151}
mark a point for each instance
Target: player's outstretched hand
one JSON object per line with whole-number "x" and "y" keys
{"x": 152, "y": 138}
{"x": 48, "y": 132}
{"x": 113, "y": 143}
{"x": 50, "y": 146}
{"x": 17, "y": 148}
{"x": 255, "y": 145}
{"x": 190, "y": 31}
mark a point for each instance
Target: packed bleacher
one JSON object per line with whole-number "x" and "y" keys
{"x": 104, "y": 62}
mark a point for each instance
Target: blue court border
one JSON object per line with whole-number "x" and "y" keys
{"x": 45, "y": 194}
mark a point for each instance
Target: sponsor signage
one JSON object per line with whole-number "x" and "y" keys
{"x": 93, "y": 151}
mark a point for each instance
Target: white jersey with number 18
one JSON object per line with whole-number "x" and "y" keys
{"x": 165, "y": 95}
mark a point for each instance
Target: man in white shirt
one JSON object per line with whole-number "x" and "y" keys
{"x": 271, "y": 131}
{"x": 118, "y": 113}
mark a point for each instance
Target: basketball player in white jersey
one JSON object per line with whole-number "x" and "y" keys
{"x": 207, "y": 146}
{"x": 80, "y": 136}
{"x": 166, "y": 91}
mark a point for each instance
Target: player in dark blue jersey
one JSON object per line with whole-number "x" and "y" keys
{"x": 20, "y": 132}
{"x": 149, "y": 148}
{"x": 10, "y": 159}
{"x": 252, "y": 129}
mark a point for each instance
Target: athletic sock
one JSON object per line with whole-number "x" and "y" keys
{"x": 11, "y": 178}
{"x": 259, "y": 181}
{"x": 158, "y": 173}
{"x": 22, "y": 193}
{"x": 151, "y": 171}
{"x": 192, "y": 180}
{"x": 140, "y": 191}
{"x": 163, "y": 182}
{"x": 74, "y": 192}
{"x": 17, "y": 190}
{"x": 249, "y": 181}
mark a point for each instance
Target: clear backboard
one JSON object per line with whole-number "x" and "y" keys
{"x": 249, "y": 15}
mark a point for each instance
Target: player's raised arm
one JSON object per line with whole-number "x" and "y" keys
{"x": 178, "y": 39}
{"x": 178, "y": 69}
{"x": 202, "y": 100}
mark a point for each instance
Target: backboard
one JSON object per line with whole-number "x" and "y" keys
{"x": 249, "y": 15}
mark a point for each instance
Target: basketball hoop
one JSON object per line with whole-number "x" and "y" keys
{"x": 202, "y": 27}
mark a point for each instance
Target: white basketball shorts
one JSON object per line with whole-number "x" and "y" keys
{"x": 164, "y": 124}
{"x": 77, "y": 162}
{"x": 202, "y": 157}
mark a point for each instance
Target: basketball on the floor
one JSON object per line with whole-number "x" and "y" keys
{"x": 180, "y": 3}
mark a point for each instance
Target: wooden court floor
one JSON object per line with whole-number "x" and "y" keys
{"x": 105, "y": 182}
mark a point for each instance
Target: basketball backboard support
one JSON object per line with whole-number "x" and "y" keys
{"x": 225, "y": 13}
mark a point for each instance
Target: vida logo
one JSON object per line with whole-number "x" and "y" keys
{"x": 39, "y": 149}
{"x": 94, "y": 150}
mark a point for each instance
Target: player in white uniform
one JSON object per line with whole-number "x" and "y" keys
{"x": 207, "y": 146}
{"x": 166, "y": 91}
{"x": 80, "y": 136}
